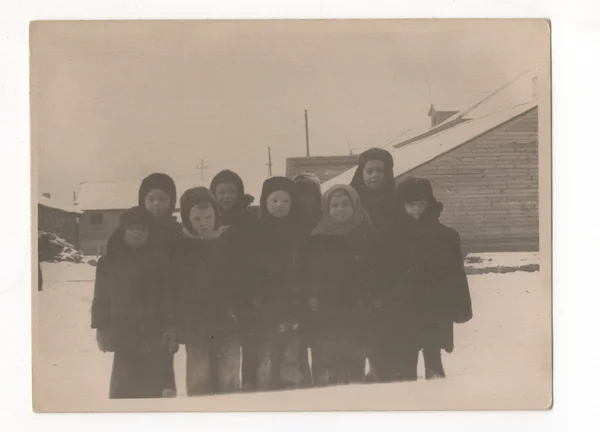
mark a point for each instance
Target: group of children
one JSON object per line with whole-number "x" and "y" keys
{"x": 365, "y": 271}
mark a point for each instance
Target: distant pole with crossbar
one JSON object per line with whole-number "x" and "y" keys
{"x": 202, "y": 167}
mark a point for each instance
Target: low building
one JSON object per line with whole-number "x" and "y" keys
{"x": 58, "y": 218}
{"x": 483, "y": 164}
{"x": 102, "y": 203}
{"x": 324, "y": 167}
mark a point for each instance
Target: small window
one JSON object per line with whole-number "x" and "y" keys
{"x": 96, "y": 219}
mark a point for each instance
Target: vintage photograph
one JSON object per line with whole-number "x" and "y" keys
{"x": 296, "y": 215}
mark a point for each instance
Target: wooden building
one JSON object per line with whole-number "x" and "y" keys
{"x": 102, "y": 203}
{"x": 484, "y": 168}
{"x": 324, "y": 167}
{"x": 58, "y": 218}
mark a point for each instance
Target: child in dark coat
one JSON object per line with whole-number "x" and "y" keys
{"x": 431, "y": 293}
{"x": 242, "y": 230}
{"x": 203, "y": 308}
{"x": 128, "y": 309}
{"x": 277, "y": 304}
{"x": 309, "y": 200}
{"x": 158, "y": 195}
{"x": 343, "y": 267}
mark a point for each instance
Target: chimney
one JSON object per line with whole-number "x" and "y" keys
{"x": 534, "y": 87}
{"x": 439, "y": 115}
{"x": 46, "y": 195}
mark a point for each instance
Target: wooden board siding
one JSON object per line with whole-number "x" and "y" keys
{"x": 489, "y": 187}
{"x": 93, "y": 238}
{"x": 324, "y": 167}
{"x": 59, "y": 222}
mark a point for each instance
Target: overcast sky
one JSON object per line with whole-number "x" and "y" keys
{"x": 116, "y": 101}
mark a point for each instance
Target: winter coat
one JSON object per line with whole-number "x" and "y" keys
{"x": 243, "y": 238}
{"x": 277, "y": 264}
{"x": 431, "y": 291}
{"x": 203, "y": 283}
{"x": 277, "y": 260}
{"x": 343, "y": 273}
{"x": 129, "y": 298}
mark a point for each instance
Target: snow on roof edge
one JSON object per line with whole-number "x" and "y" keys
{"x": 346, "y": 176}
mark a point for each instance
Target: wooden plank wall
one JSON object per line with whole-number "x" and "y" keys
{"x": 324, "y": 167}
{"x": 93, "y": 238}
{"x": 59, "y": 222}
{"x": 489, "y": 187}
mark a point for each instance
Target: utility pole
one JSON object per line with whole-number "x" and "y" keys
{"x": 202, "y": 167}
{"x": 306, "y": 129}
{"x": 270, "y": 164}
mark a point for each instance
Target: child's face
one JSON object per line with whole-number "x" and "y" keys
{"x": 202, "y": 219}
{"x": 416, "y": 209}
{"x": 136, "y": 236}
{"x": 158, "y": 203}
{"x": 373, "y": 174}
{"x": 226, "y": 195}
{"x": 340, "y": 208}
{"x": 279, "y": 203}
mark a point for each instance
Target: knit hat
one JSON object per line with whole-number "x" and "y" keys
{"x": 136, "y": 216}
{"x": 374, "y": 154}
{"x": 158, "y": 181}
{"x": 273, "y": 184}
{"x": 308, "y": 183}
{"x": 328, "y": 225}
{"x": 418, "y": 189}
{"x": 227, "y": 176}
{"x": 192, "y": 197}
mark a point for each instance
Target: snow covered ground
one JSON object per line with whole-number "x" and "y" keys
{"x": 502, "y": 358}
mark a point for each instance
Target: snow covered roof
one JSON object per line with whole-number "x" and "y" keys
{"x": 123, "y": 195}
{"x": 474, "y": 105}
{"x": 423, "y": 150}
{"x": 53, "y": 204}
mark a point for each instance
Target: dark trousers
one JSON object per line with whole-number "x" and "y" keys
{"x": 282, "y": 361}
{"x": 213, "y": 366}
{"x": 337, "y": 359}
{"x": 169, "y": 370}
{"x": 249, "y": 360}
{"x": 138, "y": 375}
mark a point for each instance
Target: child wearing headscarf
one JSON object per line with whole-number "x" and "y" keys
{"x": 374, "y": 182}
{"x": 242, "y": 233}
{"x": 343, "y": 267}
{"x": 431, "y": 292}
{"x": 128, "y": 309}
{"x": 277, "y": 308}
{"x": 203, "y": 307}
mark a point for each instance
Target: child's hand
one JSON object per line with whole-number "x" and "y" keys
{"x": 313, "y": 304}
{"x": 462, "y": 317}
{"x": 102, "y": 339}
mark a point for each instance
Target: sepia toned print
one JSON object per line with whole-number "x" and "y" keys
{"x": 291, "y": 215}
